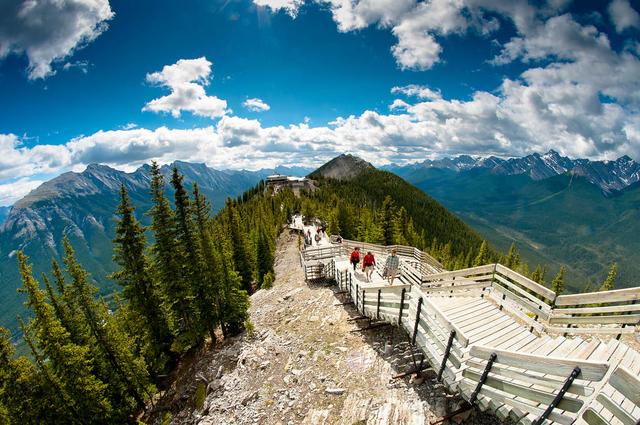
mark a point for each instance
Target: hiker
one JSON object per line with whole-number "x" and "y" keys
{"x": 368, "y": 263}
{"x": 355, "y": 258}
{"x": 391, "y": 266}
{"x": 318, "y": 237}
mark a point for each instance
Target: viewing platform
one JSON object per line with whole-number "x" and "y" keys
{"x": 503, "y": 342}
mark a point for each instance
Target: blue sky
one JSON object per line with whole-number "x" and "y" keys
{"x": 254, "y": 83}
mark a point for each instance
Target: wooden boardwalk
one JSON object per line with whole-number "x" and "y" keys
{"x": 503, "y": 342}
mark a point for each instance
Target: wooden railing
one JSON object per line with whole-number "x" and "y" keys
{"x": 609, "y": 312}
{"x": 527, "y": 388}
{"x": 526, "y": 384}
{"x": 617, "y": 310}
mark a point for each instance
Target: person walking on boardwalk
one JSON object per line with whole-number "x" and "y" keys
{"x": 355, "y": 258}
{"x": 368, "y": 263}
{"x": 391, "y": 266}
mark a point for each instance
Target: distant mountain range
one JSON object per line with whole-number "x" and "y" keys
{"x": 609, "y": 176}
{"x": 82, "y": 207}
{"x": 580, "y": 213}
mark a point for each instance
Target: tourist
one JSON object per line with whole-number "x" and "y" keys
{"x": 368, "y": 263}
{"x": 391, "y": 266}
{"x": 355, "y": 258}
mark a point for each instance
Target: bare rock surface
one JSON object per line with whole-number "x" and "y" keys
{"x": 302, "y": 365}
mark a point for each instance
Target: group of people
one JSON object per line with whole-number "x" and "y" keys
{"x": 317, "y": 237}
{"x": 391, "y": 266}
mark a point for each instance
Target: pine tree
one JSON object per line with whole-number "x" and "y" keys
{"x": 557, "y": 284}
{"x": 235, "y": 304}
{"x": 512, "y": 259}
{"x": 168, "y": 261}
{"x": 208, "y": 289}
{"x": 610, "y": 281}
{"x": 138, "y": 286}
{"x": 400, "y": 223}
{"x": 333, "y": 224}
{"x": 482, "y": 257}
{"x": 538, "y": 274}
{"x": 240, "y": 253}
{"x": 385, "y": 219}
{"x": 128, "y": 371}
{"x": 68, "y": 366}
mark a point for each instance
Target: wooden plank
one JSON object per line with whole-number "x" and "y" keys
{"x": 616, "y": 410}
{"x": 592, "y": 331}
{"x": 518, "y": 374}
{"x": 592, "y": 417}
{"x": 595, "y": 310}
{"x": 617, "y": 295}
{"x": 559, "y": 366}
{"x": 528, "y": 305}
{"x": 526, "y": 282}
{"x": 522, "y": 293}
{"x": 568, "y": 403}
{"x": 490, "y": 327}
{"x": 497, "y": 338}
{"x": 604, "y": 320}
{"x": 536, "y": 411}
{"x": 462, "y": 272}
{"x": 627, "y": 384}
{"x": 429, "y": 306}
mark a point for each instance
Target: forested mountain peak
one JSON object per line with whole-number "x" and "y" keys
{"x": 343, "y": 167}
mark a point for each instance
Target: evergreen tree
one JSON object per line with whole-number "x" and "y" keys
{"x": 538, "y": 274}
{"x": 333, "y": 224}
{"x": 385, "y": 219}
{"x": 68, "y": 366}
{"x": 400, "y": 223}
{"x": 240, "y": 254}
{"x": 482, "y": 257}
{"x": 168, "y": 265}
{"x": 128, "y": 371}
{"x": 610, "y": 281}
{"x": 138, "y": 286}
{"x": 512, "y": 260}
{"x": 557, "y": 284}
{"x": 235, "y": 304}
{"x": 208, "y": 289}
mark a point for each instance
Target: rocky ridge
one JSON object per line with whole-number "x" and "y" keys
{"x": 303, "y": 365}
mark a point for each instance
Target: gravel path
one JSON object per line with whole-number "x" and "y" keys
{"x": 302, "y": 365}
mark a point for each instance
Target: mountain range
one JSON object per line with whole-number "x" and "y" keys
{"x": 609, "y": 176}
{"x": 559, "y": 211}
{"x": 82, "y": 207}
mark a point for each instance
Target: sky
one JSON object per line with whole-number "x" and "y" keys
{"x": 257, "y": 83}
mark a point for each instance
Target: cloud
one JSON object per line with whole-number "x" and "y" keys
{"x": 47, "y": 31}
{"x": 83, "y": 66}
{"x": 421, "y": 92}
{"x": 622, "y": 15}
{"x": 11, "y": 192}
{"x": 186, "y": 79}
{"x": 289, "y": 6}
{"x": 256, "y": 105}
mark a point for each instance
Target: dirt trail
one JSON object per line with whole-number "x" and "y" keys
{"x": 302, "y": 365}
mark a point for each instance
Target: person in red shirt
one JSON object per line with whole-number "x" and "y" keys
{"x": 368, "y": 263}
{"x": 355, "y": 258}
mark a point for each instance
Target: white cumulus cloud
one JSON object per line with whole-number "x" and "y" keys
{"x": 186, "y": 79}
{"x": 256, "y": 105}
{"x": 289, "y": 6}
{"x": 47, "y": 31}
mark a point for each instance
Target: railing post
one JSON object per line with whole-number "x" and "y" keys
{"x": 404, "y": 290}
{"x": 483, "y": 378}
{"x": 378, "y": 306}
{"x": 356, "y": 297}
{"x": 447, "y": 351}
{"x": 558, "y": 398}
{"x": 363, "y": 292}
{"x": 415, "y": 326}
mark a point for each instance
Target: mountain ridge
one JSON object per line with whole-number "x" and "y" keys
{"x": 81, "y": 206}
{"x": 610, "y": 176}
